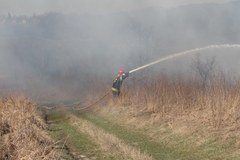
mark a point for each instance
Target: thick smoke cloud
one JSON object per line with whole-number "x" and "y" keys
{"x": 69, "y": 53}
{"x": 29, "y": 7}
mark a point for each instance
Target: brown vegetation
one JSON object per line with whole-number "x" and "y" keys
{"x": 176, "y": 99}
{"x": 22, "y": 131}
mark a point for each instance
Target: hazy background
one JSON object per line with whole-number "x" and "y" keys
{"x": 68, "y": 46}
{"x": 29, "y": 7}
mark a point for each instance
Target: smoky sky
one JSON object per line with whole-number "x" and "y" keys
{"x": 29, "y": 7}
{"x": 70, "y": 46}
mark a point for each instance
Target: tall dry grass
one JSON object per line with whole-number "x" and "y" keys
{"x": 22, "y": 131}
{"x": 217, "y": 104}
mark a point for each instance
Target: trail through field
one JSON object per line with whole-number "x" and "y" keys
{"x": 109, "y": 143}
{"x": 145, "y": 144}
{"x": 71, "y": 143}
{"x": 87, "y": 135}
{"x": 81, "y": 137}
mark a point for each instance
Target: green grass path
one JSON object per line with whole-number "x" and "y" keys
{"x": 160, "y": 151}
{"x": 181, "y": 149}
{"x": 144, "y": 143}
{"x": 73, "y": 139}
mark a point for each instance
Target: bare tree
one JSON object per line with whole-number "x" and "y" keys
{"x": 205, "y": 70}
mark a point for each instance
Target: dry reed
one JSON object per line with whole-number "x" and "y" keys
{"x": 22, "y": 131}
{"x": 218, "y": 104}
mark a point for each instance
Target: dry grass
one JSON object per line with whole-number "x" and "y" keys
{"x": 173, "y": 100}
{"x": 22, "y": 131}
{"x": 172, "y": 105}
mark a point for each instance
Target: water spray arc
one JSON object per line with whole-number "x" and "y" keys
{"x": 175, "y": 55}
{"x": 193, "y": 51}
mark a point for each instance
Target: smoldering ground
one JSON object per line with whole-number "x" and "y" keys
{"x": 67, "y": 53}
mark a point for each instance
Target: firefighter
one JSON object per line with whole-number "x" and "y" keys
{"x": 117, "y": 83}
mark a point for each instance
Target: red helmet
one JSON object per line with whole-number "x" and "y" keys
{"x": 120, "y": 71}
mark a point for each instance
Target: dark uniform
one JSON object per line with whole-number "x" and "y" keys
{"x": 117, "y": 83}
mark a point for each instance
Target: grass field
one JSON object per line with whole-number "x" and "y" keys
{"x": 169, "y": 119}
{"x": 101, "y": 137}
